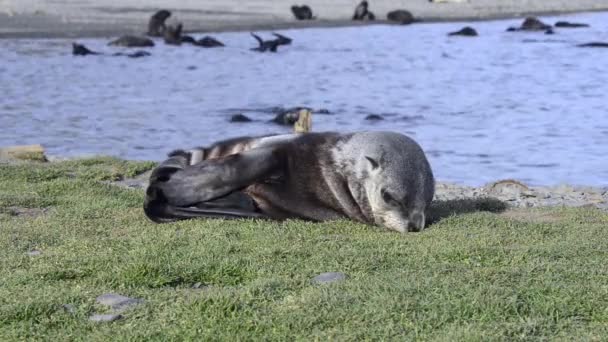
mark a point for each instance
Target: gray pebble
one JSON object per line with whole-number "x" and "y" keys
{"x": 329, "y": 277}
{"x": 34, "y": 252}
{"x": 105, "y": 318}
{"x": 69, "y": 308}
{"x": 117, "y": 302}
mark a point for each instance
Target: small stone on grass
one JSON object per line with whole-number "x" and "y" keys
{"x": 117, "y": 302}
{"x": 329, "y": 277}
{"x": 105, "y": 318}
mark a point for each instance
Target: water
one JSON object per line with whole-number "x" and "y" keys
{"x": 504, "y": 105}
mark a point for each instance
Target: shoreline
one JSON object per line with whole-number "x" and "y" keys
{"x": 108, "y": 19}
{"x": 512, "y": 193}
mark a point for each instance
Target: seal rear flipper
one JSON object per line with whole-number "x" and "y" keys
{"x": 159, "y": 210}
{"x": 168, "y": 213}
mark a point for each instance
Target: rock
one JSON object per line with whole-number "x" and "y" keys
{"x": 117, "y": 302}
{"x": 105, "y": 318}
{"x": 566, "y": 24}
{"x": 23, "y": 152}
{"x": 403, "y": 17}
{"x": 507, "y": 189}
{"x": 304, "y": 123}
{"x": 132, "y": 41}
{"x": 240, "y": 118}
{"x": 69, "y": 308}
{"x": 329, "y": 277}
{"x": 466, "y": 31}
{"x": 322, "y": 111}
{"x": 34, "y": 252}
{"x": 374, "y": 117}
{"x": 550, "y": 31}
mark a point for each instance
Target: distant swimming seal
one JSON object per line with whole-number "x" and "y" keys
{"x": 208, "y": 42}
{"x": 81, "y": 50}
{"x": 362, "y": 12}
{"x": 270, "y": 45}
{"x": 303, "y": 12}
{"x": 531, "y": 24}
{"x": 567, "y": 24}
{"x": 466, "y": 31}
{"x": 594, "y": 45}
{"x": 380, "y": 178}
{"x": 156, "y": 25}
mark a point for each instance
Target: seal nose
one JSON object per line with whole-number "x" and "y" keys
{"x": 416, "y": 222}
{"x": 411, "y": 227}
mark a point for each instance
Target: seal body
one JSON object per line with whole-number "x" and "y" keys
{"x": 378, "y": 178}
{"x": 156, "y": 24}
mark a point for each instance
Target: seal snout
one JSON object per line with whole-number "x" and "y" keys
{"x": 416, "y": 221}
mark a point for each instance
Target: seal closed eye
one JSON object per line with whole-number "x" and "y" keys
{"x": 378, "y": 178}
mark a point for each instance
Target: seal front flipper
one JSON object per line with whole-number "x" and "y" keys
{"x": 176, "y": 184}
{"x": 214, "y": 178}
{"x": 260, "y": 42}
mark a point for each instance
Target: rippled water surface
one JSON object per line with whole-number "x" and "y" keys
{"x": 504, "y": 105}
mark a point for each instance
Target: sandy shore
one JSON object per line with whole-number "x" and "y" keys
{"x": 99, "y": 18}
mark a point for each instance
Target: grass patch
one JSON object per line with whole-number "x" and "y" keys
{"x": 478, "y": 273}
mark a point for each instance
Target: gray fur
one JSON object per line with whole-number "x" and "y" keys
{"x": 380, "y": 178}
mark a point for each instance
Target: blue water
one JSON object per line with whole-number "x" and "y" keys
{"x": 527, "y": 106}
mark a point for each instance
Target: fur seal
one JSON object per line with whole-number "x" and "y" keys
{"x": 132, "y": 41}
{"x": 567, "y": 24}
{"x": 594, "y": 45}
{"x": 173, "y": 35}
{"x": 531, "y": 24}
{"x": 362, "y": 12}
{"x": 378, "y": 178}
{"x": 466, "y": 31}
{"x": 270, "y": 45}
{"x": 303, "y": 12}
{"x": 208, "y": 42}
{"x": 156, "y": 25}
{"x": 403, "y": 17}
{"x": 81, "y": 50}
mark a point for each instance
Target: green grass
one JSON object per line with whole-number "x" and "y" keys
{"x": 474, "y": 275}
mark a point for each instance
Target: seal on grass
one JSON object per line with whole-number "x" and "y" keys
{"x": 379, "y": 178}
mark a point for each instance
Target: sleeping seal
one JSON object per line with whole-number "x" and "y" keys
{"x": 379, "y": 178}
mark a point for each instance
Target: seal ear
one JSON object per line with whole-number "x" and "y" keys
{"x": 373, "y": 162}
